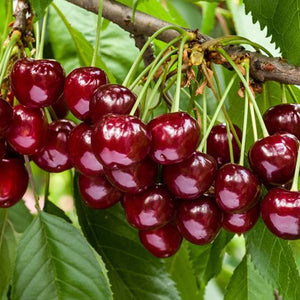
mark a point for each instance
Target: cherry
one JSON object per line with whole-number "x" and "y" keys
{"x": 175, "y": 136}
{"x": 192, "y": 177}
{"x": 2, "y": 148}
{"x": 134, "y": 179}
{"x": 283, "y": 117}
{"x": 237, "y": 189}
{"x": 280, "y": 210}
{"x": 111, "y": 98}
{"x": 54, "y": 156}
{"x": 241, "y": 222}
{"x": 37, "y": 83}
{"x": 199, "y": 221}
{"x": 28, "y": 129}
{"x": 150, "y": 209}
{"x": 60, "y": 107}
{"x": 120, "y": 140}
{"x": 162, "y": 242}
{"x": 273, "y": 158}
{"x": 14, "y": 181}
{"x": 97, "y": 192}
{"x": 6, "y": 114}
{"x": 79, "y": 87}
{"x": 81, "y": 153}
{"x": 218, "y": 146}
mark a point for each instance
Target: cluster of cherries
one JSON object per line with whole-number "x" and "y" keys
{"x": 168, "y": 189}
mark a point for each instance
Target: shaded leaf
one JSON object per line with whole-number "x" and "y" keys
{"x": 52, "y": 209}
{"x": 133, "y": 272}
{"x": 273, "y": 258}
{"x": 39, "y": 7}
{"x": 282, "y": 19}
{"x": 62, "y": 265}
{"x": 247, "y": 284}
{"x": 8, "y": 243}
{"x": 20, "y": 216}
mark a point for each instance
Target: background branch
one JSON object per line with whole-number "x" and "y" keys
{"x": 262, "y": 68}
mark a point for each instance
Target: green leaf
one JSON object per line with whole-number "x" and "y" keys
{"x": 54, "y": 261}
{"x": 20, "y": 216}
{"x": 52, "y": 209}
{"x": 209, "y": 17}
{"x": 247, "y": 284}
{"x": 207, "y": 260}
{"x": 39, "y": 7}
{"x": 133, "y": 272}
{"x": 180, "y": 266}
{"x": 8, "y": 243}
{"x": 83, "y": 47}
{"x": 273, "y": 258}
{"x": 282, "y": 19}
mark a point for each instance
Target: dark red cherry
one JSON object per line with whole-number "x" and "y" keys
{"x": 54, "y": 156}
{"x": 28, "y": 130}
{"x": 175, "y": 136}
{"x": 120, "y": 140}
{"x": 81, "y": 153}
{"x": 6, "y": 114}
{"x": 280, "y": 210}
{"x": 37, "y": 83}
{"x": 273, "y": 158}
{"x": 97, "y": 192}
{"x": 13, "y": 181}
{"x": 241, "y": 222}
{"x": 111, "y": 98}
{"x": 218, "y": 146}
{"x": 199, "y": 221}
{"x": 192, "y": 177}
{"x": 60, "y": 107}
{"x": 237, "y": 189}
{"x": 2, "y": 148}
{"x": 134, "y": 179}
{"x": 162, "y": 242}
{"x": 283, "y": 117}
{"x": 80, "y": 86}
{"x": 150, "y": 209}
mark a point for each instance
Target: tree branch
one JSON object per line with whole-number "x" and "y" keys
{"x": 262, "y": 68}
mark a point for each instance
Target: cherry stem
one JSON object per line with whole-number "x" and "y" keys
{"x": 217, "y": 111}
{"x": 204, "y": 104}
{"x": 141, "y": 75}
{"x": 47, "y": 185}
{"x": 256, "y": 108}
{"x": 32, "y": 184}
{"x": 290, "y": 89}
{"x": 253, "y": 122}
{"x": 283, "y": 94}
{"x": 37, "y": 35}
{"x": 7, "y": 53}
{"x": 229, "y": 143}
{"x": 40, "y": 50}
{"x": 245, "y": 121}
{"x": 138, "y": 60}
{"x": 296, "y": 173}
{"x": 98, "y": 30}
{"x": 176, "y": 102}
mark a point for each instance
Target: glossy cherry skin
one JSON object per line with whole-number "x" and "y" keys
{"x": 199, "y": 221}
{"x": 37, "y": 83}
{"x": 111, "y": 98}
{"x": 280, "y": 210}
{"x": 120, "y": 140}
{"x": 241, "y": 222}
{"x": 60, "y": 107}
{"x": 6, "y": 114}
{"x": 273, "y": 158}
{"x": 13, "y": 181}
{"x": 190, "y": 178}
{"x": 81, "y": 153}
{"x": 150, "y": 209}
{"x": 79, "y": 87}
{"x": 54, "y": 156}
{"x": 237, "y": 189}
{"x": 2, "y": 148}
{"x": 218, "y": 146}
{"x": 283, "y": 117}
{"x": 97, "y": 192}
{"x": 162, "y": 242}
{"x": 28, "y": 130}
{"x": 134, "y": 179}
{"x": 175, "y": 136}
